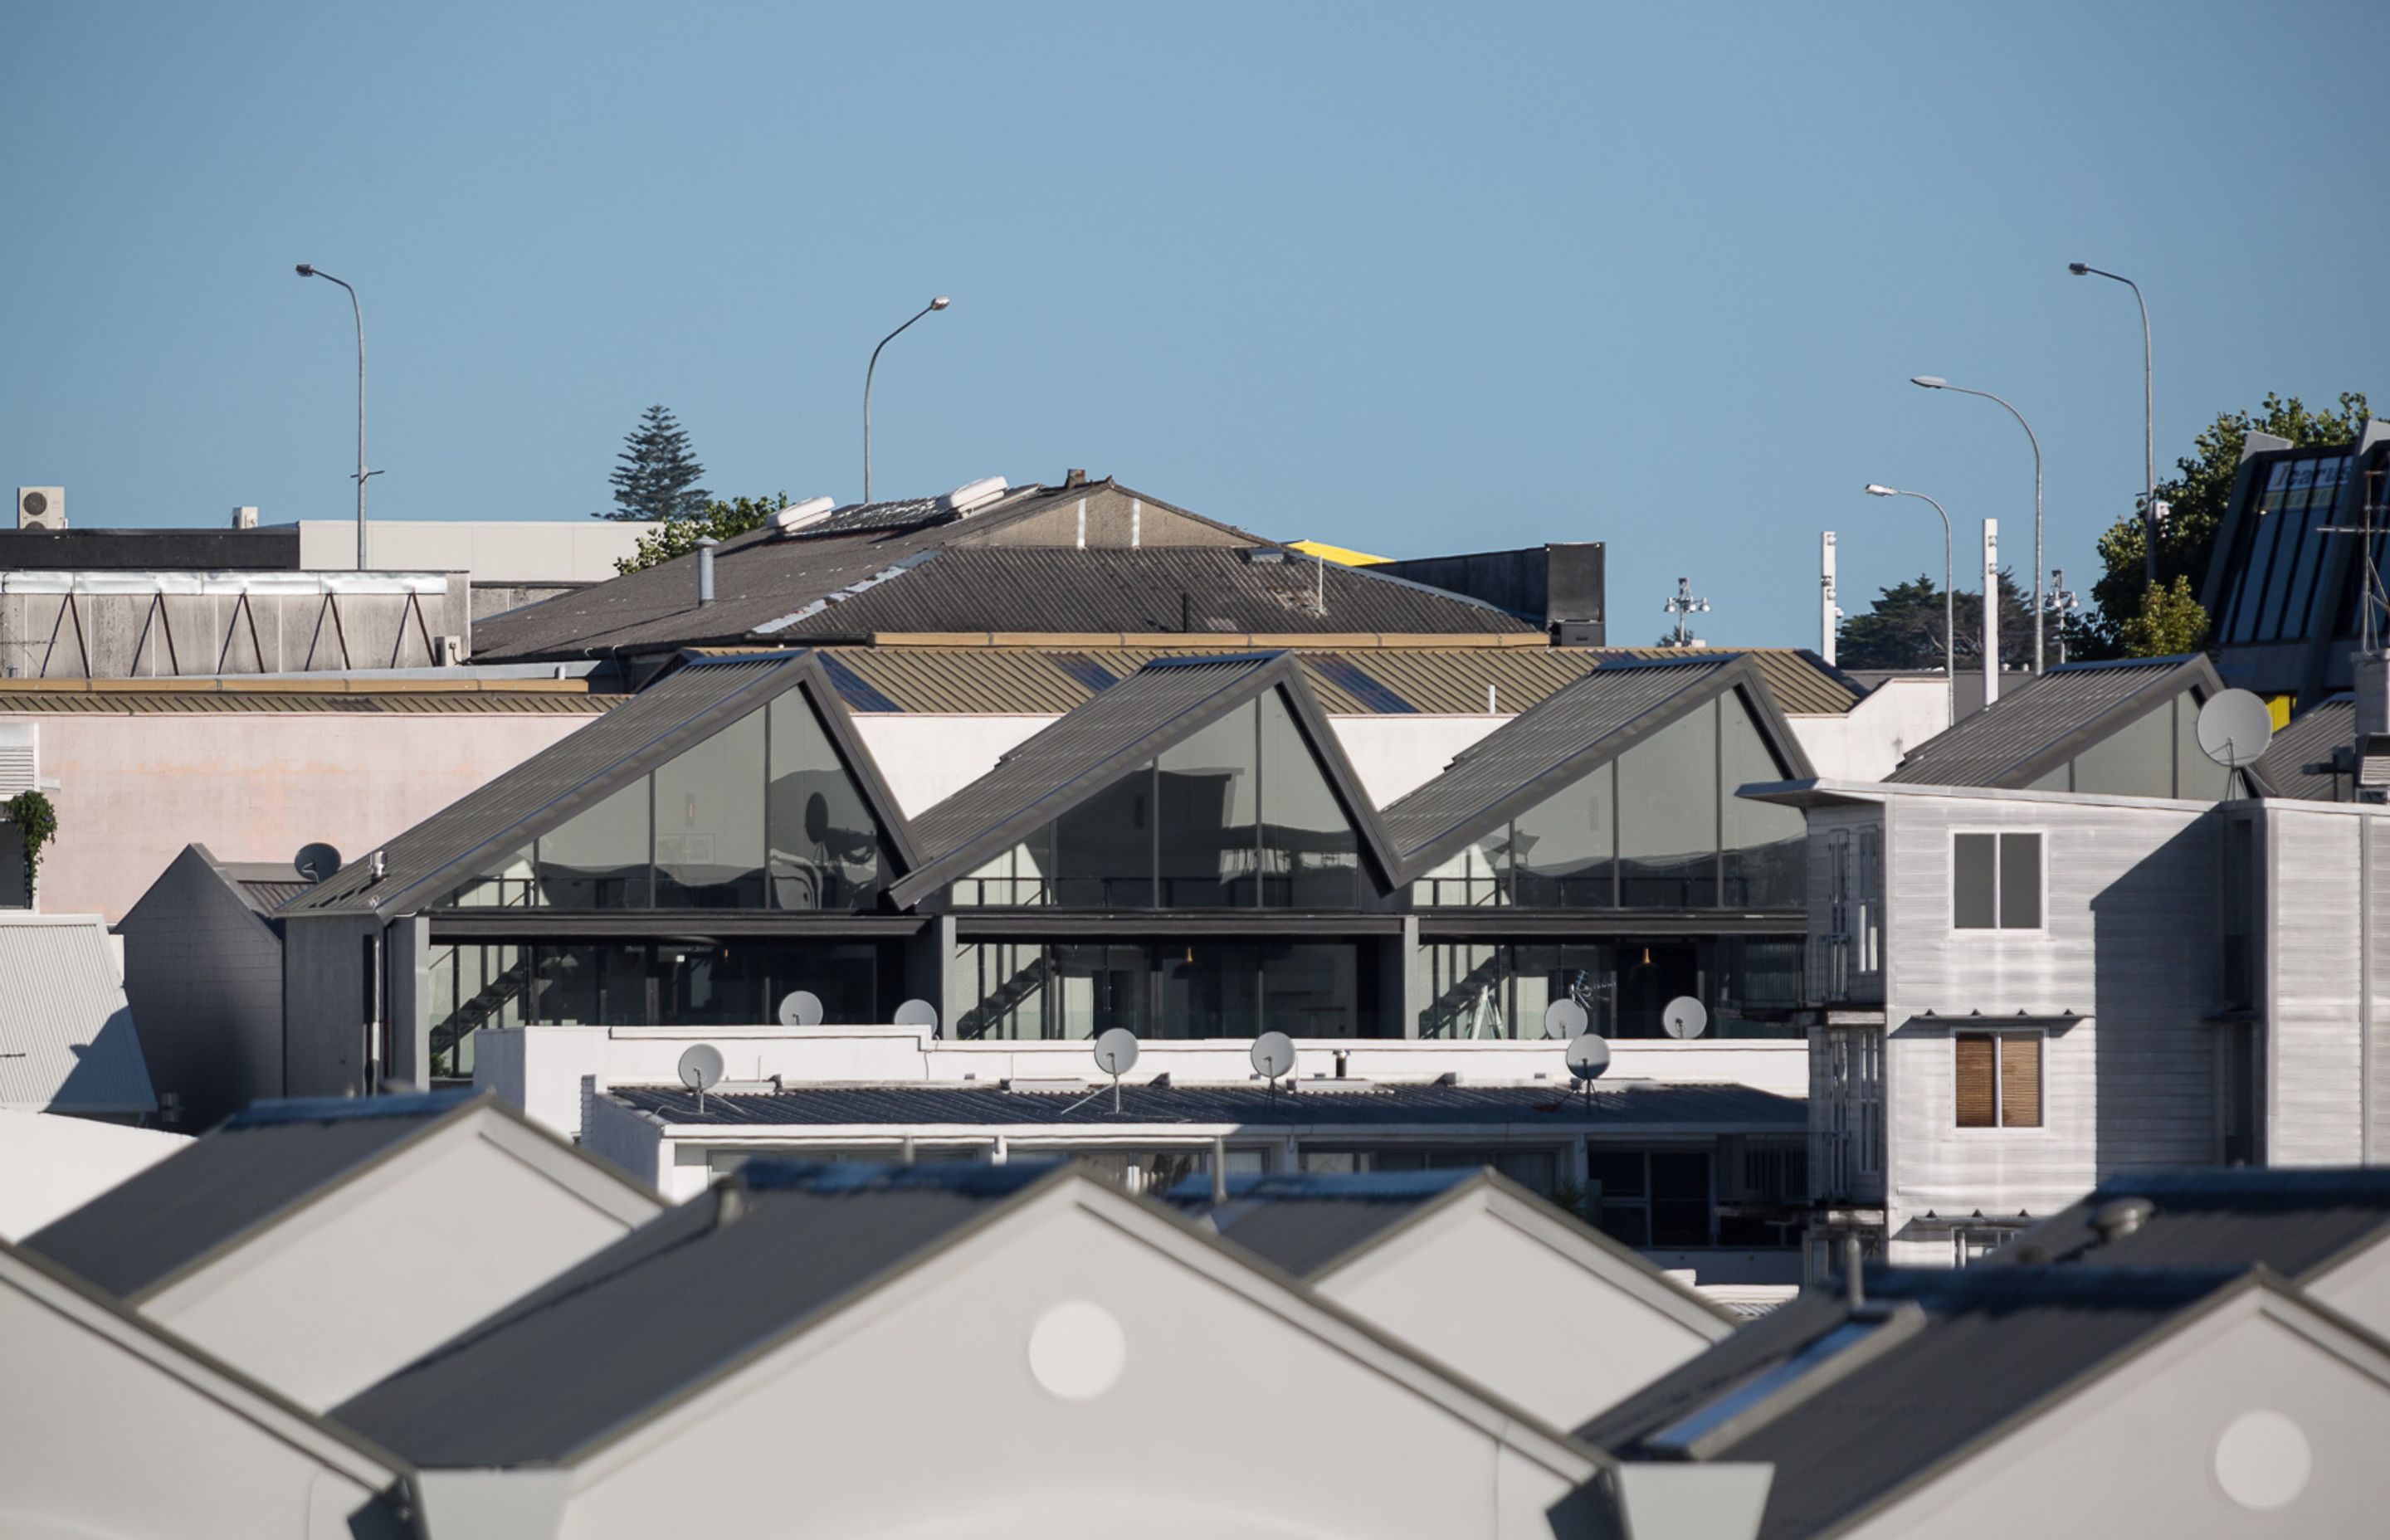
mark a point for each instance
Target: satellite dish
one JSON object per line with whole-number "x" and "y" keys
{"x": 701, "y": 1068}
{"x": 1566, "y": 1018}
{"x": 2235, "y": 728}
{"x": 1588, "y": 1056}
{"x": 917, "y": 1013}
{"x": 801, "y": 1008}
{"x": 1273, "y": 1055}
{"x": 1685, "y": 1017}
{"x": 318, "y": 861}
{"x": 1116, "y": 1052}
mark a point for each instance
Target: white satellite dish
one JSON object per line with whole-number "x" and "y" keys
{"x": 1685, "y": 1017}
{"x": 1566, "y": 1019}
{"x": 2235, "y": 727}
{"x": 1116, "y": 1052}
{"x": 318, "y": 861}
{"x": 1273, "y": 1055}
{"x": 1588, "y": 1056}
{"x": 917, "y": 1013}
{"x": 801, "y": 1007}
{"x": 700, "y": 1067}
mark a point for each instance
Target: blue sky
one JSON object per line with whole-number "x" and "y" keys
{"x": 1413, "y": 279}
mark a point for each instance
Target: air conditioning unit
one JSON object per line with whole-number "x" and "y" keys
{"x": 244, "y": 519}
{"x": 41, "y": 507}
{"x": 451, "y": 652}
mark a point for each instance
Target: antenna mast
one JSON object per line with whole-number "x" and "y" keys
{"x": 1682, "y": 604}
{"x": 2368, "y": 525}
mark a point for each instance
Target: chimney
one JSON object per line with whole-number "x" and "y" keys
{"x": 705, "y": 569}
{"x": 1074, "y": 477}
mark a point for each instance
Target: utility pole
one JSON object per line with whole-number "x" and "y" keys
{"x": 1829, "y": 614}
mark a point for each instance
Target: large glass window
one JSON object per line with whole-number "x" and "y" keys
{"x": 1208, "y": 786}
{"x": 1765, "y": 844}
{"x": 597, "y": 859}
{"x": 1669, "y": 817}
{"x": 1749, "y": 985}
{"x": 824, "y": 843}
{"x": 1562, "y": 846}
{"x": 1212, "y": 989}
{"x": 1657, "y": 1198}
{"x": 1311, "y": 853}
{"x": 1537, "y": 1170}
{"x": 1104, "y": 848}
{"x": 1189, "y": 988}
{"x": 709, "y": 822}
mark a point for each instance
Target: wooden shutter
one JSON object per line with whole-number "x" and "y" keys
{"x": 2020, "y": 1083}
{"x": 1976, "y": 1070}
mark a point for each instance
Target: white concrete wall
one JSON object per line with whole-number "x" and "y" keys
{"x": 578, "y": 550}
{"x": 926, "y": 758}
{"x": 2316, "y": 931}
{"x": 1866, "y": 743}
{"x": 134, "y": 791}
{"x": 51, "y": 1165}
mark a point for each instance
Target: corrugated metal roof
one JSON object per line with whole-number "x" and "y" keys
{"x": 2029, "y": 732}
{"x": 685, "y": 705}
{"x": 673, "y": 1305}
{"x": 1994, "y": 1343}
{"x": 2310, "y": 739}
{"x": 208, "y": 699}
{"x": 1047, "y": 769}
{"x": 264, "y": 886}
{"x": 1802, "y": 683}
{"x": 231, "y": 1182}
{"x": 1193, "y": 590}
{"x": 2297, "y": 1222}
{"x": 67, "y": 1042}
{"x": 1522, "y": 1111}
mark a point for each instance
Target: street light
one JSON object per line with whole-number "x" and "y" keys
{"x": 1935, "y": 382}
{"x": 2149, "y": 422}
{"x": 1949, "y": 607}
{"x": 941, "y": 302}
{"x": 309, "y": 270}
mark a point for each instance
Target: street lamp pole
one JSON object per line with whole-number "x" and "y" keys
{"x": 941, "y": 302}
{"x": 309, "y": 270}
{"x": 2149, "y": 422}
{"x": 1949, "y": 605}
{"x": 1935, "y": 382}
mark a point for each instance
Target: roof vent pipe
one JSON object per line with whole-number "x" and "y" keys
{"x": 2120, "y": 1217}
{"x": 1853, "y": 1290}
{"x": 705, "y": 569}
{"x": 1220, "y": 1172}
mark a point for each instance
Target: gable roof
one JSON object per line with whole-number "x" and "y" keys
{"x": 1957, "y": 1359}
{"x": 250, "y": 1173}
{"x": 2028, "y": 733}
{"x": 2311, "y": 738}
{"x": 1313, "y": 1223}
{"x": 769, "y": 573}
{"x": 1162, "y": 705}
{"x": 1566, "y": 735}
{"x": 67, "y": 1040}
{"x": 692, "y": 702}
{"x": 2299, "y": 1222}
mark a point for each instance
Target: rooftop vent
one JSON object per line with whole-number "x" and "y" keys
{"x": 2120, "y": 1217}
{"x": 244, "y": 519}
{"x": 796, "y": 516}
{"x": 971, "y": 496}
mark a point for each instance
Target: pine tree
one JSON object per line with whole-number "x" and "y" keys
{"x": 656, "y": 476}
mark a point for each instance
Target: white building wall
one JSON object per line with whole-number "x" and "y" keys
{"x": 1867, "y": 742}
{"x": 2130, "y": 918}
{"x": 582, "y": 550}
{"x": 1395, "y": 756}
{"x": 2315, "y": 936}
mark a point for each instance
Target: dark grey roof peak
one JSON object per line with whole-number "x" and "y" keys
{"x": 2299, "y": 1222}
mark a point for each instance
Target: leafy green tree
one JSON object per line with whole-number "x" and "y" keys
{"x": 678, "y": 536}
{"x": 1903, "y": 628}
{"x": 655, "y": 476}
{"x": 2196, "y": 496}
{"x": 2171, "y": 621}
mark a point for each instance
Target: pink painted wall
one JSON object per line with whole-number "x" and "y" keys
{"x": 134, "y": 791}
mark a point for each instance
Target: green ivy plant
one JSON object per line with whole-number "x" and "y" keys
{"x": 37, "y": 825}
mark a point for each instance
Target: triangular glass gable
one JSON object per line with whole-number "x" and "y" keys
{"x": 761, "y": 814}
{"x": 1238, "y": 815}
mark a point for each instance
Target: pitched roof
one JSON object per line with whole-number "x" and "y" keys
{"x": 1954, "y": 1358}
{"x": 2297, "y": 1222}
{"x": 328, "y": 696}
{"x": 1626, "y": 1106}
{"x": 248, "y": 1174}
{"x": 1069, "y": 761}
{"x": 67, "y": 1040}
{"x": 2310, "y": 738}
{"x": 677, "y": 1302}
{"x": 690, "y": 704}
{"x": 1158, "y": 588}
{"x": 2028, "y": 733}
{"x": 1393, "y": 675}
{"x": 264, "y": 886}
{"x": 1564, "y": 737}
{"x": 770, "y": 573}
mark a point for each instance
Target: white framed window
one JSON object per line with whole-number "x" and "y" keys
{"x": 1995, "y": 880}
{"x": 1997, "y": 1078}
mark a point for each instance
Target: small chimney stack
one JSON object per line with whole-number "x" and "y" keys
{"x": 705, "y": 569}
{"x": 1074, "y": 477}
